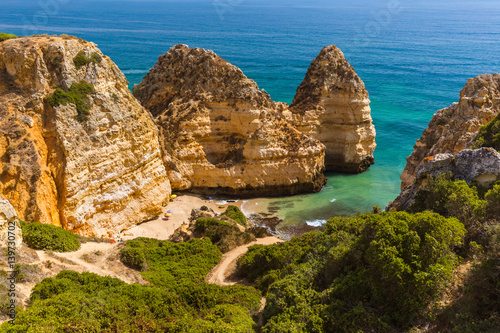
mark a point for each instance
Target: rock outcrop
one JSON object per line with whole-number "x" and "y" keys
{"x": 452, "y": 129}
{"x": 10, "y": 230}
{"x": 76, "y": 148}
{"x": 220, "y": 134}
{"x": 332, "y": 106}
{"x": 481, "y": 166}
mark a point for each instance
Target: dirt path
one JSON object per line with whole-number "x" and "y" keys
{"x": 98, "y": 258}
{"x": 227, "y": 265}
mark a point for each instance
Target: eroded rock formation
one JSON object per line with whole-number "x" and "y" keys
{"x": 10, "y": 230}
{"x": 76, "y": 148}
{"x": 220, "y": 134}
{"x": 480, "y": 166}
{"x": 452, "y": 129}
{"x": 332, "y": 106}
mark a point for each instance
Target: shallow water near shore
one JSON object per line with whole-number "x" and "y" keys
{"x": 414, "y": 61}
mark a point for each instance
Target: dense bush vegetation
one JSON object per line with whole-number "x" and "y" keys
{"x": 489, "y": 135}
{"x": 40, "y": 236}
{"x": 478, "y": 310}
{"x": 235, "y": 214}
{"x": 369, "y": 273}
{"x": 223, "y": 234}
{"x": 169, "y": 264}
{"x": 449, "y": 197}
{"x": 176, "y": 301}
{"x": 77, "y": 95}
{"x": 4, "y": 36}
{"x": 475, "y": 207}
{"x": 81, "y": 59}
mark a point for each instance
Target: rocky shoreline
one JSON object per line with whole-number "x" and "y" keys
{"x": 77, "y": 150}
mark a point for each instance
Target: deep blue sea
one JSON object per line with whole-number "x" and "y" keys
{"x": 414, "y": 57}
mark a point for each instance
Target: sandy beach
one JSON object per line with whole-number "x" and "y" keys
{"x": 181, "y": 206}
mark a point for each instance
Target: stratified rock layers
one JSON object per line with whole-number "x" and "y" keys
{"x": 220, "y": 134}
{"x": 452, "y": 129}
{"x": 94, "y": 176}
{"x": 332, "y": 106}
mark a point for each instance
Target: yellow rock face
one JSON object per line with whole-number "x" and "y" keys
{"x": 221, "y": 135}
{"x": 332, "y": 106}
{"x": 452, "y": 129}
{"x": 92, "y": 177}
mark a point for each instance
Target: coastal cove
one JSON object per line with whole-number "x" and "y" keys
{"x": 413, "y": 63}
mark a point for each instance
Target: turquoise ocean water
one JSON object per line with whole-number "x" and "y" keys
{"x": 414, "y": 57}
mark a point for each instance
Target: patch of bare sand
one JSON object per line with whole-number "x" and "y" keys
{"x": 162, "y": 229}
{"x": 99, "y": 258}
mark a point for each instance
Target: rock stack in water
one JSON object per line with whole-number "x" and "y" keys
{"x": 220, "y": 134}
{"x": 332, "y": 106}
{"x": 76, "y": 148}
{"x": 453, "y": 129}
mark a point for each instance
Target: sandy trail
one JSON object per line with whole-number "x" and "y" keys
{"x": 104, "y": 263}
{"x": 162, "y": 229}
{"x": 219, "y": 274}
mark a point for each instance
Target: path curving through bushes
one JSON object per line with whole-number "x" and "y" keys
{"x": 227, "y": 266}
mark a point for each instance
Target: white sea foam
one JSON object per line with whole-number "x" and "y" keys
{"x": 333, "y": 200}
{"x": 134, "y": 71}
{"x": 316, "y": 223}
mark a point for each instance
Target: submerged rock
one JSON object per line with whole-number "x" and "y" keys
{"x": 453, "y": 129}
{"x": 220, "y": 134}
{"x": 76, "y": 148}
{"x": 332, "y": 106}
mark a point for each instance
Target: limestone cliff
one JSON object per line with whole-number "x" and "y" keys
{"x": 332, "y": 106}
{"x": 10, "y": 229}
{"x": 452, "y": 129}
{"x": 220, "y": 134}
{"x": 76, "y": 148}
{"x": 481, "y": 166}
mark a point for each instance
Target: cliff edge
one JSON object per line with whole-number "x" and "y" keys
{"x": 220, "y": 134}
{"x": 453, "y": 129}
{"x": 76, "y": 148}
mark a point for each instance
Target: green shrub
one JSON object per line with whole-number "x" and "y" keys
{"x": 48, "y": 237}
{"x": 451, "y": 198}
{"x": 235, "y": 213}
{"x": 369, "y": 273}
{"x": 27, "y": 273}
{"x": 259, "y": 232}
{"x": 222, "y": 234}
{"x": 81, "y": 59}
{"x": 478, "y": 309}
{"x": 169, "y": 264}
{"x": 77, "y": 95}
{"x": 177, "y": 300}
{"x": 57, "y": 61}
{"x": 4, "y": 36}
{"x": 134, "y": 258}
{"x": 489, "y": 135}
{"x": 493, "y": 202}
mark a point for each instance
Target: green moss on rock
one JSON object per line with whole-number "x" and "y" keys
{"x": 77, "y": 95}
{"x": 489, "y": 135}
{"x": 81, "y": 59}
{"x": 4, "y": 36}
